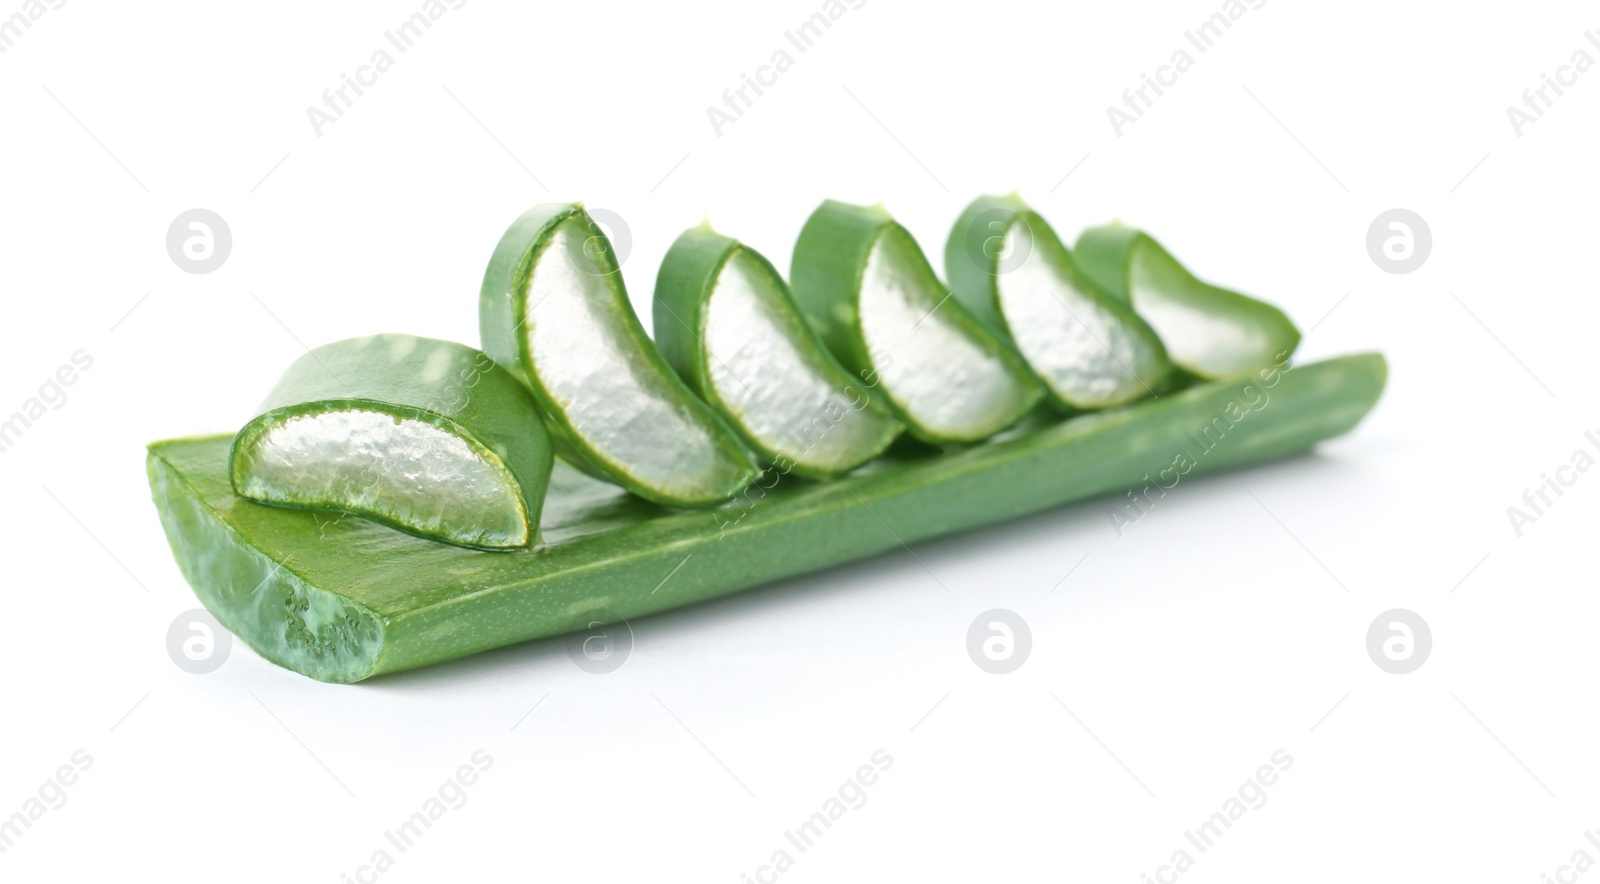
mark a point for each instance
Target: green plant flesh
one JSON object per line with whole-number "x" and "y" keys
{"x": 427, "y": 436}
{"x": 1208, "y": 331}
{"x": 553, "y": 310}
{"x": 725, "y": 322}
{"x": 1088, "y": 348}
{"x": 344, "y": 599}
{"x": 867, "y": 290}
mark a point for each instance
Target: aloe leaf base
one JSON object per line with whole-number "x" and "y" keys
{"x": 341, "y": 599}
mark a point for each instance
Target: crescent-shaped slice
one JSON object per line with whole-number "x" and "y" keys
{"x": 1090, "y": 349}
{"x": 554, "y": 311}
{"x": 725, "y": 320}
{"x": 1209, "y": 332}
{"x": 427, "y": 436}
{"x": 867, "y": 290}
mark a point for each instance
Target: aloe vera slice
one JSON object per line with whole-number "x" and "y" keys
{"x": 427, "y": 436}
{"x": 1089, "y": 349}
{"x": 1209, "y": 332}
{"x": 725, "y": 321}
{"x": 344, "y": 600}
{"x": 554, "y": 311}
{"x": 869, "y": 293}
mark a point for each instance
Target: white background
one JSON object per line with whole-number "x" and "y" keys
{"x": 1171, "y": 664}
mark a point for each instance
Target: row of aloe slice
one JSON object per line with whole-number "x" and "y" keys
{"x": 863, "y": 346}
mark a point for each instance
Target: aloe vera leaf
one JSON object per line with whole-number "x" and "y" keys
{"x": 344, "y": 600}
{"x": 1089, "y": 349}
{"x": 427, "y": 436}
{"x": 554, "y": 311}
{"x": 724, "y": 320}
{"x": 867, "y": 290}
{"x": 1209, "y": 332}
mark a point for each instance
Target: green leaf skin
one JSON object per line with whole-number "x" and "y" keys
{"x": 1088, "y": 349}
{"x": 1209, "y": 332}
{"x": 427, "y": 436}
{"x": 554, "y": 311}
{"x": 867, "y": 290}
{"x": 343, "y": 600}
{"x": 724, "y": 320}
